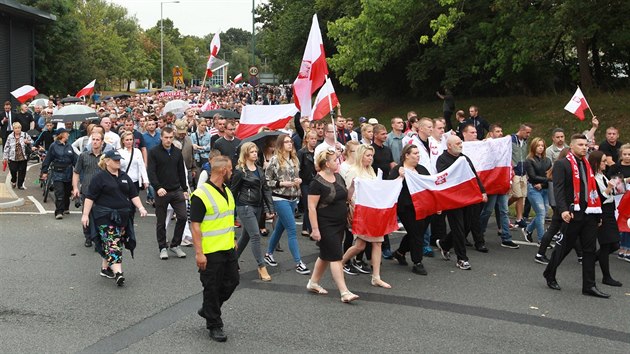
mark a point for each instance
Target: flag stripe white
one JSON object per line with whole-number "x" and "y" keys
{"x": 376, "y": 193}
{"x": 253, "y": 117}
{"x": 455, "y": 174}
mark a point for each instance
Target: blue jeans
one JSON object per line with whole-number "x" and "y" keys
{"x": 150, "y": 193}
{"x": 539, "y": 201}
{"x": 501, "y": 201}
{"x": 286, "y": 221}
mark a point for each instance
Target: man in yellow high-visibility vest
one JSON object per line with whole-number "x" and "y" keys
{"x": 212, "y": 215}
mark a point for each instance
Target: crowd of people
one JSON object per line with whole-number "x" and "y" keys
{"x": 213, "y": 182}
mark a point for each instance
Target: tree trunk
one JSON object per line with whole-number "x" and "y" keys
{"x": 128, "y": 85}
{"x": 586, "y": 79}
{"x": 597, "y": 63}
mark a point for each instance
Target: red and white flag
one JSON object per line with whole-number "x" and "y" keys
{"x": 313, "y": 70}
{"x": 87, "y": 90}
{"x": 238, "y": 78}
{"x": 325, "y": 102}
{"x": 453, "y": 188}
{"x": 215, "y": 45}
{"x": 578, "y": 104}
{"x": 492, "y": 159}
{"x": 623, "y": 209}
{"x": 375, "y": 206}
{"x": 24, "y": 93}
{"x": 254, "y": 117}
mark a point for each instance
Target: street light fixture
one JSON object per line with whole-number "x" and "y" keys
{"x": 162, "y": 38}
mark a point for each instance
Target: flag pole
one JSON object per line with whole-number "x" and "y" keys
{"x": 203, "y": 85}
{"x": 587, "y": 105}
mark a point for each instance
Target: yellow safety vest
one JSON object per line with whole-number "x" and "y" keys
{"x": 217, "y": 228}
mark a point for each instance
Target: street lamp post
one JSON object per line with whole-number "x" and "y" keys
{"x": 162, "y": 38}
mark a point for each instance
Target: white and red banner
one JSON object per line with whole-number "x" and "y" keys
{"x": 375, "y": 206}
{"x": 313, "y": 70}
{"x": 238, "y": 78}
{"x": 492, "y": 159}
{"x": 577, "y": 104}
{"x": 453, "y": 188}
{"x": 215, "y": 45}
{"x": 87, "y": 90}
{"x": 173, "y": 94}
{"x": 254, "y": 117}
{"x": 24, "y": 93}
{"x": 325, "y": 102}
{"x": 623, "y": 210}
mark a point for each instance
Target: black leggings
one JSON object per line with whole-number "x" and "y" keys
{"x": 602, "y": 255}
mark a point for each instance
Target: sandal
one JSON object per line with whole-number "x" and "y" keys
{"x": 347, "y": 297}
{"x": 316, "y": 288}
{"x": 376, "y": 281}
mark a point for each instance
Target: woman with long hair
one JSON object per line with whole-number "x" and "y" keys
{"x": 608, "y": 232}
{"x": 413, "y": 240}
{"x": 107, "y": 211}
{"x": 252, "y": 197}
{"x": 283, "y": 178}
{"x": 362, "y": 168}
{"x": 327, "y": 210}
{"x": 537, "y": 166}
{"x": 201, "y": 142}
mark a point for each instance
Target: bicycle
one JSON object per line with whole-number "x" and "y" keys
{"x": 47, "y": 184}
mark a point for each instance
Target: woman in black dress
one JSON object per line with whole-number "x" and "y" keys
{"x": 327, "y": 210}
{"x": 608, "y": 232}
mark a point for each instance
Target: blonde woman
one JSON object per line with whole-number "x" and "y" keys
{"x": 252, "y": 197}
{"x": 133, "y": 163}
{"x": 107, "y": 212}
{"x": 362, "y": 168}
{"x": 327, "y": 210}
{"x": 283, "y": 178}
{"x": 348, "y": 157}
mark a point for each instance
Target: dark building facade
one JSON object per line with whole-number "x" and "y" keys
{"x": 17, "y": 45}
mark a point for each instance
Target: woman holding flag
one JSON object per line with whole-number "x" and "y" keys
{"x": 362, "y": 168}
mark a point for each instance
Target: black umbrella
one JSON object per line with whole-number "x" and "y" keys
{"x": 71, "y": 100}
{"x": 106, "y": 98}
{"x": 195, "y": 89}
{"x": 122, "y": 95}
{"x": 260, "y": 138}
{"x": 225, "y": 113}
{"x": 216, "y": 89}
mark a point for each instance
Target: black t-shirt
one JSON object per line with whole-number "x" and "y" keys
{"x": 112, "y": 191}
{"x": 382, "y": 159}
{"x": 609, "y": 150}
{"x": 198, "y": 209}
{"x": 332, "y": 204}
{"x": 619, "y": 169}
{"x": 404, "y": 198}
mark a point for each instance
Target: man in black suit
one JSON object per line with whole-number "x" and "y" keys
{"x": 579, "y": 223}
{"x": 7, "y": 117}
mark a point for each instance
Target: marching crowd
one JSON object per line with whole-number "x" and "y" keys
{"x": 196, "y": 170}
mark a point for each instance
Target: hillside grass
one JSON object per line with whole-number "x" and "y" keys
{"x": 544, "y": 113}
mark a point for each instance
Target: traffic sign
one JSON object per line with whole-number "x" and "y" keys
{"x": 253, "y": 71}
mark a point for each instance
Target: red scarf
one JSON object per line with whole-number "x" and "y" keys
{"x": 593, "y": 206}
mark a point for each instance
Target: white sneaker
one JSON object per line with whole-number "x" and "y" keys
{"x": 186, "y": 243}
{"x": 178, "y": 252}
{"x": 163, "y": 254}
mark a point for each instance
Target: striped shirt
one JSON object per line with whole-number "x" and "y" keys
{"x": 87, "y": 167}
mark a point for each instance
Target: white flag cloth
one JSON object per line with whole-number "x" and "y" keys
{"x": 87, "y": 90}
{"x": 254, "y": 117}
{"x": 375, "y": 206}
{"x": 577, "y": 104}
{"x": 325, "y": 102}
{"x": 492, "y": 159}
{"x": 24, "y": 93}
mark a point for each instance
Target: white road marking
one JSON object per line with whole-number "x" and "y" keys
{"x": 39, "y": 205}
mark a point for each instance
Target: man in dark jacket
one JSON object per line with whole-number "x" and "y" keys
{"x": 459, "y": 218}
{"x": 63, "y": 158}
{"x": 578, "y": 211}
{"x": 168, "y": 178}
{"x": 306, "y": 156}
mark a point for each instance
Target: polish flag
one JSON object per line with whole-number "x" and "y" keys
{"x": 87, "y": 90}
{"x": 325, "y": 102}
{"x": 578, "y": 104}
{"x": 492, "y": 159}
{"x": 206, "y": 106}
{"x": 453, "y": 188}
{"x": 215, "y": 45}
{"x": 375, "y": 206}
{"x": 24, "y": 93}
{"x": 623, "y": 209}
{"x": 254, "y": 117}
{"x": 238, "y": 78}
{"x": 313, "y": 70}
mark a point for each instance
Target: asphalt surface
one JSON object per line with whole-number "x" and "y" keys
{"x": 52, "y": 299}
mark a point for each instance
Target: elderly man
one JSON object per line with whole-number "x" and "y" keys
{"x": 456, "y": 217}
{"x": 111, "y": 138}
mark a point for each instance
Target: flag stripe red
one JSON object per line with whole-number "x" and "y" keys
{"x": 428, "y": 202}
{"x": 245, "y": 130}
{"x": 496, "y": 180}
{"x": 374, "y": 222}
{"x": 624, "y": 213}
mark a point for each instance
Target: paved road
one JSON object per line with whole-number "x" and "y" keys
{"x": 53, "y": 300}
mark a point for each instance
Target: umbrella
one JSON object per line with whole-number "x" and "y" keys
{"x": 195, "y": 89}
{"x": 122, "y": 95}
{"x": 143, "y": 90}
{"x": 176, "y": 106}
{"x": 106, "y": 98}
{"x": 71, "y": 100}
{"x": 260, "y": 138}
{"x": 39, "y": 102}
{"x": 216, "y": 89}
{"x": 168, "y": 88}
{"x": 225, "y": 113}
{"x": 73, "y": 113}
{"x": 41, "y": 95}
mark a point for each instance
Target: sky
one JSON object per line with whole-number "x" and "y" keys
{"x": 193, "y": 17}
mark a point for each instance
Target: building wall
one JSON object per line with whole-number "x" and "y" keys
{"x": 16, "y": 55}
